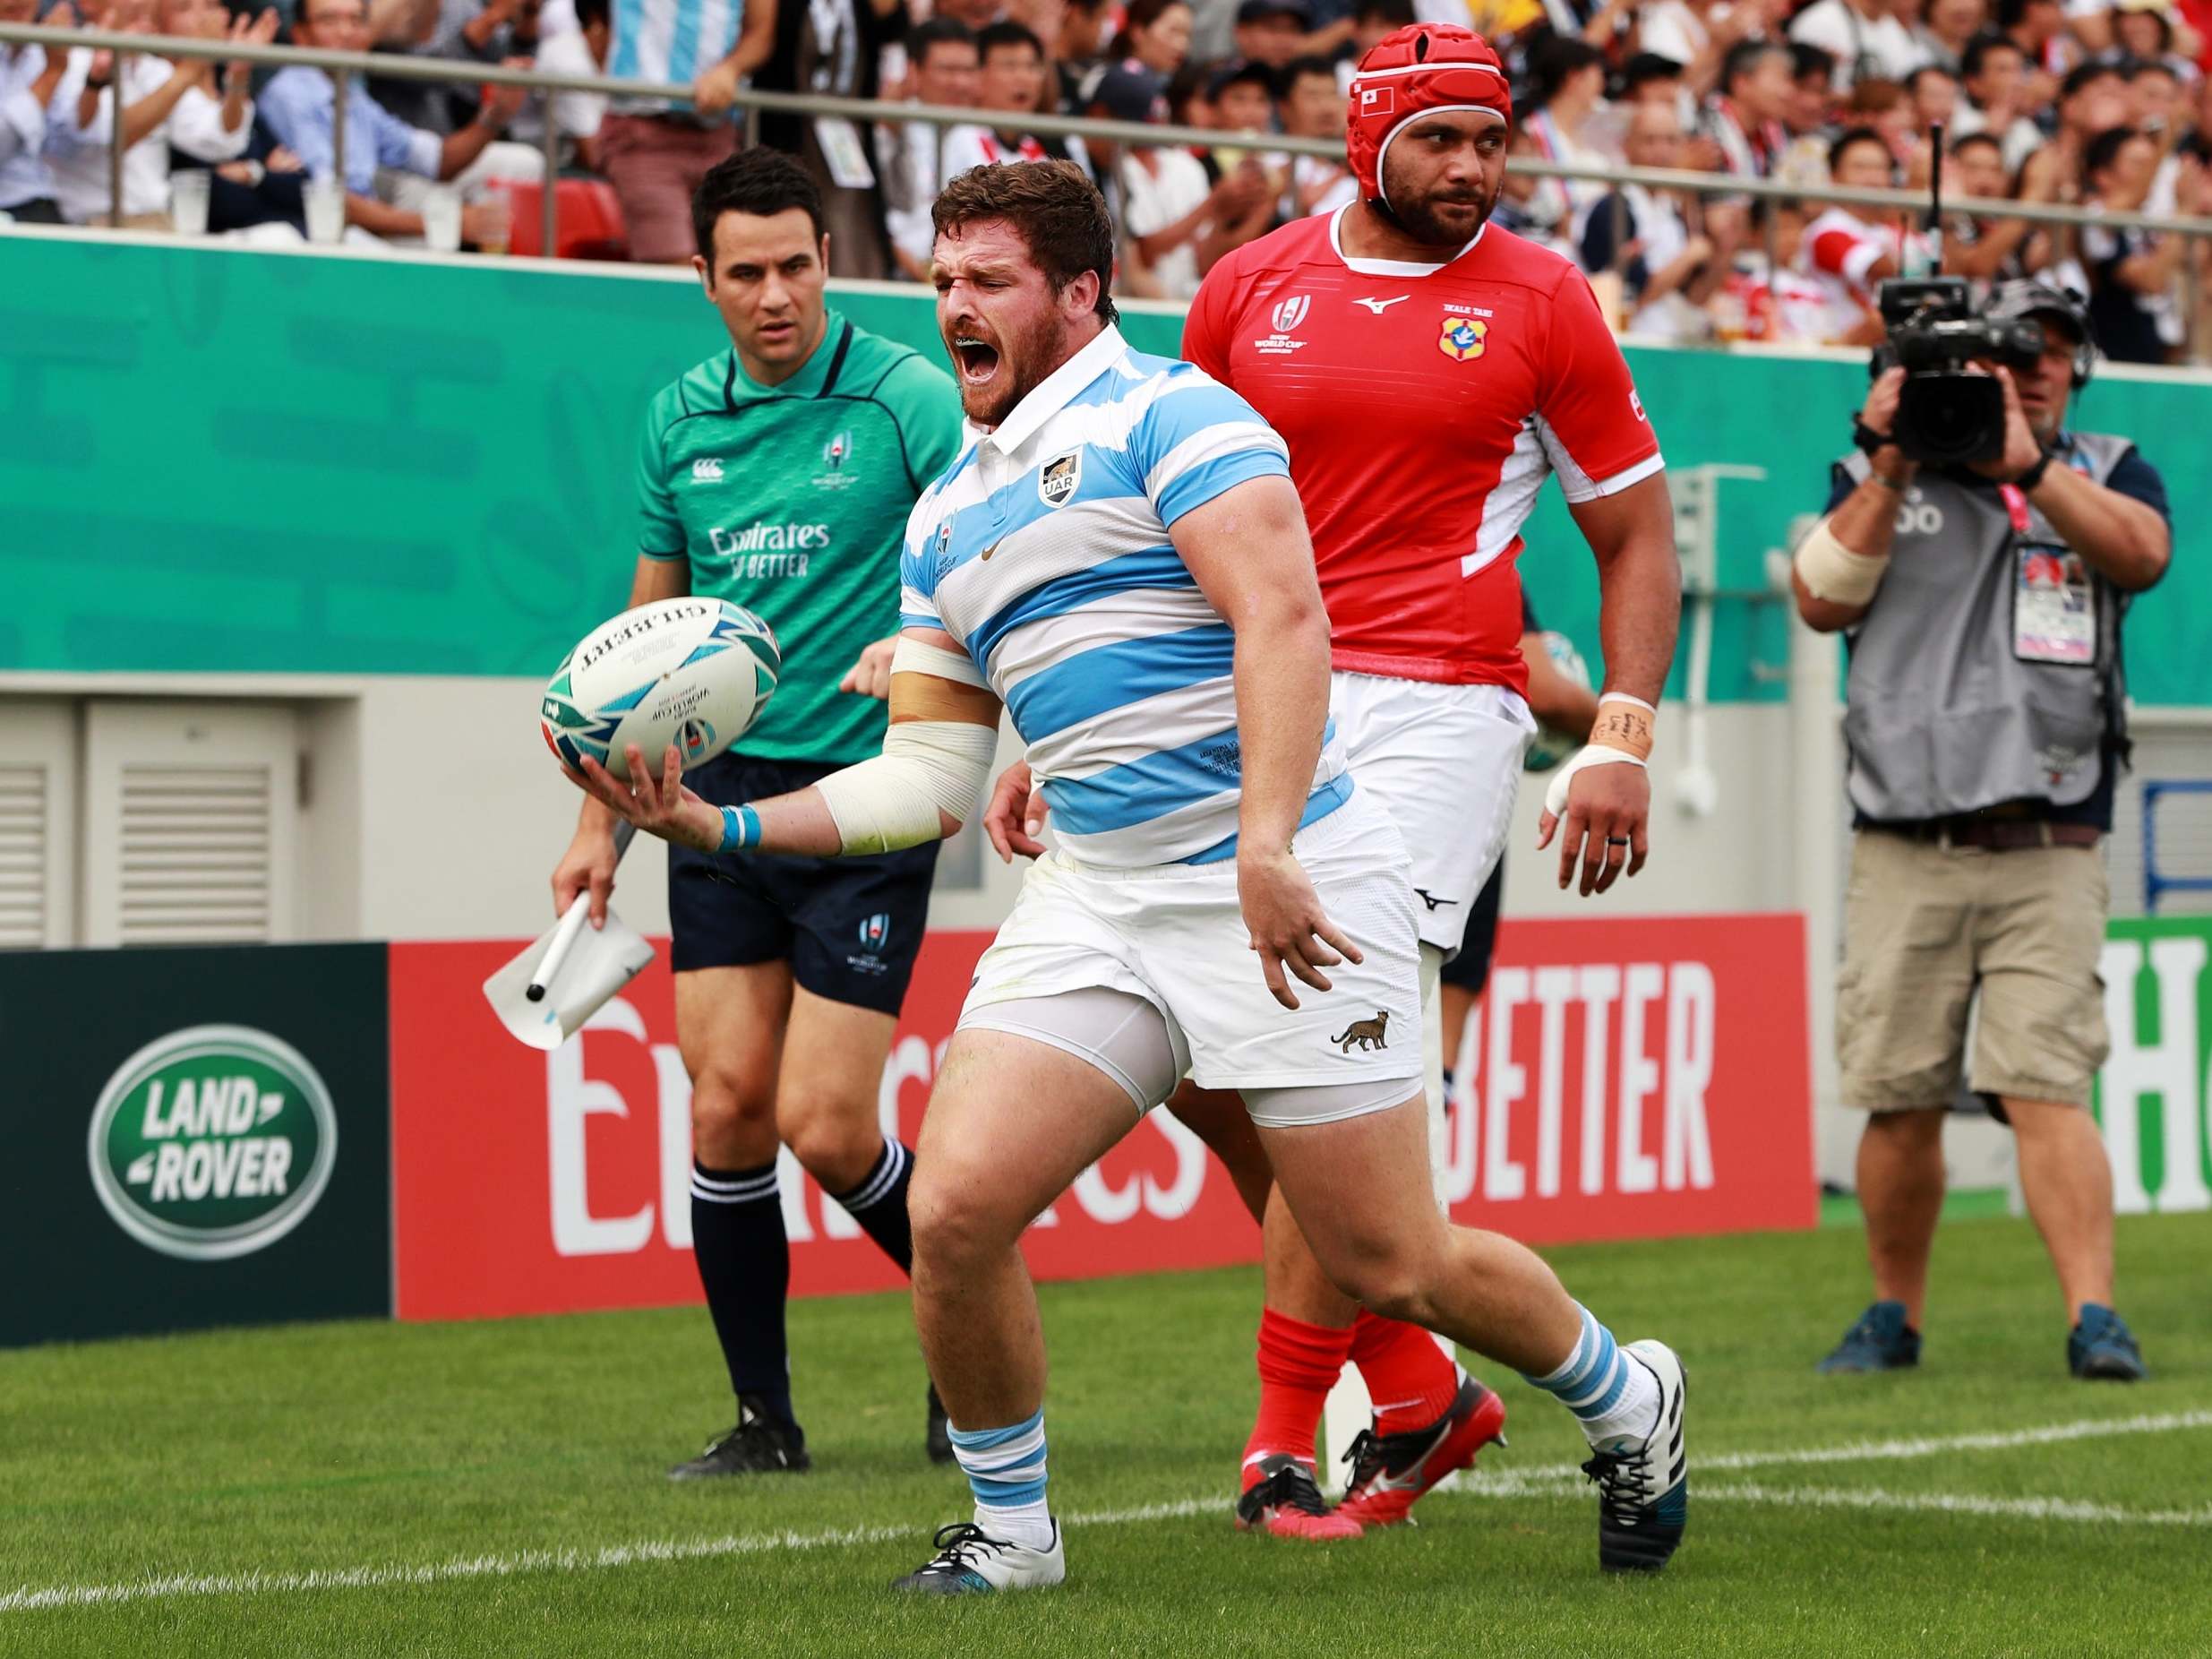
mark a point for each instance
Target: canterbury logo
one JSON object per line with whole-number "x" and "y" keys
{"x": 708, "y": 471}
{"x": 1364, "y": 1033}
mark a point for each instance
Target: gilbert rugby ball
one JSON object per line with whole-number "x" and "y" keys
{"x": 695, "y": 673}
{"x": 1552, "y": 747}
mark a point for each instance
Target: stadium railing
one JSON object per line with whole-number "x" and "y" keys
{"x": 401, "y": 67}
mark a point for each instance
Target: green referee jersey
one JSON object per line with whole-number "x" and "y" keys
{"x": 792, "y": 501}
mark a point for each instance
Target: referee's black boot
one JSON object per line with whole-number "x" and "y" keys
{"x": 760, "y": 1444}
{"x": 938, "y": 1441}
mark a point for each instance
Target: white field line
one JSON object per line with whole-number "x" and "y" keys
{"x": 1547, "y": 1482}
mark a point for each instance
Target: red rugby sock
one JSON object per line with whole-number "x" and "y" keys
{"x": 1411, "y": 1379}
{"x": 1299, "y": 1364}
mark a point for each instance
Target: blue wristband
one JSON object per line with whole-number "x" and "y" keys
{"x": 741, "y": 828}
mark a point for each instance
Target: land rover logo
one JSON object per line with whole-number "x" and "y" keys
{"x": 213, "y": 1142}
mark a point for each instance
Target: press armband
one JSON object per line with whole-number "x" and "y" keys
{"x": 1832, "y": 572}
{"x": 927, "y": 767}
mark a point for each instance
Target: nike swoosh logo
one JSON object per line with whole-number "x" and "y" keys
{"x": 989, "y": 550}
{"x": 1379, "y": 307}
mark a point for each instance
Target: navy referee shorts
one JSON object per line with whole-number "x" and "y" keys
{"x": 849, "y": 927}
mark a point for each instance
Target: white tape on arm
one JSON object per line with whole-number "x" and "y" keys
{"x": 927, "y": 767}
{"x": 1594, "y": 754}
{"x": 1832, "y": 572}
{"x": 912, "y": 656}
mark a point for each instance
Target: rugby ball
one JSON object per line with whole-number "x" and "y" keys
{"x": 1550, "y": 747}
{"x": 691, "y": 672}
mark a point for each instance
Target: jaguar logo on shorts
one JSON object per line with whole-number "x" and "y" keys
{"x": 876, "y": 933}
{"x": 1056, "y": 481}
{"x": 1364, "y": 1033}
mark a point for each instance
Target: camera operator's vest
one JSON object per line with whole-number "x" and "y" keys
{"x": 1988, "y": 668}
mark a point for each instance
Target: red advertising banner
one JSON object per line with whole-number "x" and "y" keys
{"x": 1637, "y": 1079}
{"x": 1642, "y": 1078}
{"x": 527, "y": 1183}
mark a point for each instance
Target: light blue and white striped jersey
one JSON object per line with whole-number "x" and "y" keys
{"x": 1044, "y": 551}
{"x": 676, "y": 40}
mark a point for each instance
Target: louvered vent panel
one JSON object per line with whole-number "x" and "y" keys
{"x": 23, "y": 855}
{"x": 194, "y": 849}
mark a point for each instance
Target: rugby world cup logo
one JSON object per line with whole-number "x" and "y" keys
{"x": 838, "y": 451}
{"x": 876, "y": 933}
{"x": 1290, "y": 313}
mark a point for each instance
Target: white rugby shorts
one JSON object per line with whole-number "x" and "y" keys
{"x": 1443, "y": 763}
{"x": 1174, "y": 935}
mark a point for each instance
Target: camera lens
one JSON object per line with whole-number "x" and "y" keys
{"x": 1948, "y": 419}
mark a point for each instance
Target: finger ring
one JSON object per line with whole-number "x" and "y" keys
{"x": 1616, "y": 840}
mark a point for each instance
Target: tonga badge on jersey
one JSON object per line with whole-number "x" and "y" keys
{"x": 1462, "y": 339}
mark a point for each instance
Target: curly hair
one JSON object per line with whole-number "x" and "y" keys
{"x": 1052, "y": 205}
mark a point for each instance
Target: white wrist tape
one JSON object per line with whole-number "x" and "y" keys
{"x": 1832, "y": 572}
{"x": 927, "y": 767}
{"x": 912, "y": 656}
{"x": 1592, "y": 754}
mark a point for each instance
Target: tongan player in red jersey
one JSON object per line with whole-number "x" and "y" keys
{"x": 1428, "y": 370}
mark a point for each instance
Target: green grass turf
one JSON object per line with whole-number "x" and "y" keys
{"x": 369, "y": 1445}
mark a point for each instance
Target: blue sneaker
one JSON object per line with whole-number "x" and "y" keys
{"x": 1880, "y": 1341}
{"x": 2102, "y": 1348}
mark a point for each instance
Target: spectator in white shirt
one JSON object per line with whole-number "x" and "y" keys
{"x": 1010, "y": 80}
{"x": 29, "y": 79}
{"x": 942, "y": 54}
{"x": 1851, "y": 254}
{"x": 2143, "y": 30}
{"x": 1312, "y": 106}
{"x": 1947, "y": 28}
{"x": 579, "y": 51}
{"x": 1867, "y": 38}
{"x": 165, "y": 105}
{"x": 1745, "y": 117}
{"x": 1994, "y": 73}
{"x": 1667, "y": 270}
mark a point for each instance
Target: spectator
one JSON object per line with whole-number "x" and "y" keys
{"x": 482, "y": 31}
{"x": 832, "y": 47}
{"x": 1744, "y": 118}
{"x": 1776, "y": 301}
{"x": 1166, "y": 207}
{"x": 29, "y": 79}
{"x": 1567, "y": 84}
{"x": 1696, "y": 35}
{"x": 1009, "y": 80}
{"x": 1651, "y": 77}
{"x": 1851, "y": 254}
{"x": 1241, "y": 98}
{"x": 1273, "y": 31}
{"x": 1807, "y": 123}
{"x": 260, "y": 194}
{"x": 1668, "y": 271}
{"x": 2088, "y": 25}
{"x": 942, "y": 53}
{"x": 1155, "y": 37}
{"x": 2035, "y": 27}
{"x": 2143, "y": 30}
{"x": 1312, "y": 106}
{"x": 2132, "y": 273}
{"x": 1947, "y": 28}
{"x": 1867, "y": 39}
{"x": 1885, "y": 108}
{"x": 1933, "y": 94}
{"x": 1984, "y": 249}
{"x": 577, "y": 117}
{"x": 383, "y": 154}
{"x": 2158, "y": 102}
{"x": 165, "y": 105}
{"x": 1076, "y": 47}
{"x": 655, "y": 153}
{"x": 2093, "y": 99}
{"x": 1994, "y": 74}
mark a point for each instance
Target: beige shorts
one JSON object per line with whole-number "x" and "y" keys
{"x": 654, "y": 166}
{"x": 1925, "y": 926}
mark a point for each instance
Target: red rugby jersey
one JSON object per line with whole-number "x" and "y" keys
{"x": 1423, "y": 406}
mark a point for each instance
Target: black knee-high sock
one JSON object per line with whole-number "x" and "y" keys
{"x": 880, "y": 1205}
{"x": 744, "y": 1261}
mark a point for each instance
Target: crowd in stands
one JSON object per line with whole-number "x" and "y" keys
{"x": 2101, "y": 103}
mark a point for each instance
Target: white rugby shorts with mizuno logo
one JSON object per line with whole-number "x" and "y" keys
{"x": 1174, "y": 935}
{"x": 1443, "y": 763}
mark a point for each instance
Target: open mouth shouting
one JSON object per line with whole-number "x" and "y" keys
{"x": 977, "y": 357}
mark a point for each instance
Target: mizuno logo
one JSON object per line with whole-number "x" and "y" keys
{"x": 1379, "y": 307}
{"x": 706, "y": 471}
{"x": 1434, "y": 904}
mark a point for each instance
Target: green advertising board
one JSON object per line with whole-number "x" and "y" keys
{"x": 2154, "y": 1096}
{"x": 218, "y": 460}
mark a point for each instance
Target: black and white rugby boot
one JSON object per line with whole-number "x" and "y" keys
{"x": 1643, "y": 1485}
{"x": 937, "y": 1438}
{"x": 760, "y": 1444}
{"x": 970, "y": 1561}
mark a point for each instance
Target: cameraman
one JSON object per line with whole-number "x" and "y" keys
{"x": 1986, "y": 723}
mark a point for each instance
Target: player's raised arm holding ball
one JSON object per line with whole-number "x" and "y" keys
{"x": 778, "y": 475}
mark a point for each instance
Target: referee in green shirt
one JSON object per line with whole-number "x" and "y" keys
{"x": 779, "y": 475}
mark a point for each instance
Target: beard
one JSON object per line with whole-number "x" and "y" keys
{"x": 1419, "y": 218}
{"x": 1027, "y": 354}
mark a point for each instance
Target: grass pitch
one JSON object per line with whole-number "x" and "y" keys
{"x": 497, "y": 1489}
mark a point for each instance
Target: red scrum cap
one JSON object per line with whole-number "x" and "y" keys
{"x": 1416, "y": 71}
